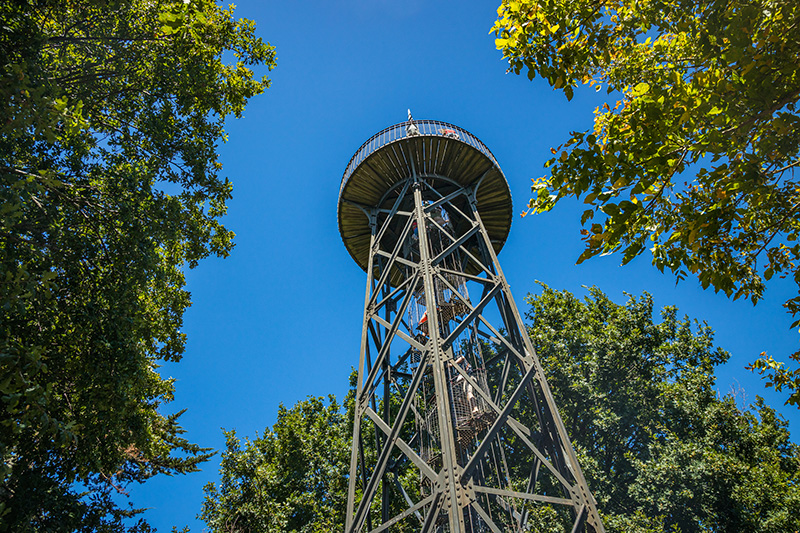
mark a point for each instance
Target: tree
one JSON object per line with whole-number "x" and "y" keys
{"x": 662, "y": 451}
{"x": 696, "y": 159}
{"x": 659, "y": 446}
{"x": 111, "y": 115}
{"x": 293, "y": 478}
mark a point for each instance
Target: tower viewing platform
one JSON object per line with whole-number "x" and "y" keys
{"x": 429, "y": 149}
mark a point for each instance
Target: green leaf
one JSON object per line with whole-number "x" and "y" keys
{"x": 640, "y": 89}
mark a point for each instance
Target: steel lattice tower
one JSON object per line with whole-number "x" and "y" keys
{"x": 455, "y": 427}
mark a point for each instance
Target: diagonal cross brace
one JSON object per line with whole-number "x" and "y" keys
{"x": 498, "y": 424}
{"x": 383, "y": 459}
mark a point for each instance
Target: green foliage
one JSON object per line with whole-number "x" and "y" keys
{"x": 293, "y": 478}
{"x": 660, "y": 448}
{"x": 110, "y": 115}
{"x": 779, "y": 375}
{"x": 662, "y": 451}
{"x": 696, "y": 159}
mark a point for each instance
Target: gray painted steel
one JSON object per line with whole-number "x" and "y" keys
{"x": 455, "y": 427}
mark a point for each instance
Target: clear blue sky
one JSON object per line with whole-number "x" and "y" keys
{"x": 280, "y": 319}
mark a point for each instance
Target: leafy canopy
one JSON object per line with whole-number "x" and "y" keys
{"x": 110, "y": 116}
{"x": 660, "y": 448}
{"x": 293, "y": 478}
{"x": 696, "y": 159}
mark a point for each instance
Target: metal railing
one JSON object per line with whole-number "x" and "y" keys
{"x": 424, "y": 128}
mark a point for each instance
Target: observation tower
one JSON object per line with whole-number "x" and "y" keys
{"x": 455, "y": 427}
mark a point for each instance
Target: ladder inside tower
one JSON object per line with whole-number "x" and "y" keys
{"x": 468, "y": 412}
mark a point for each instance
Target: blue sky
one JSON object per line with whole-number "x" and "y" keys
{"x": 280, "y": 319}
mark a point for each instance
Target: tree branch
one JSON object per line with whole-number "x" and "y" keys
{"x": 787, "y": 167}
{"x": 667, "y": 180}
{"x": 777, "y": 229}
{"x": 787, "y": 99}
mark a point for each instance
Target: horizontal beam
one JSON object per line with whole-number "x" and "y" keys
{"x": 524, "y": 495}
